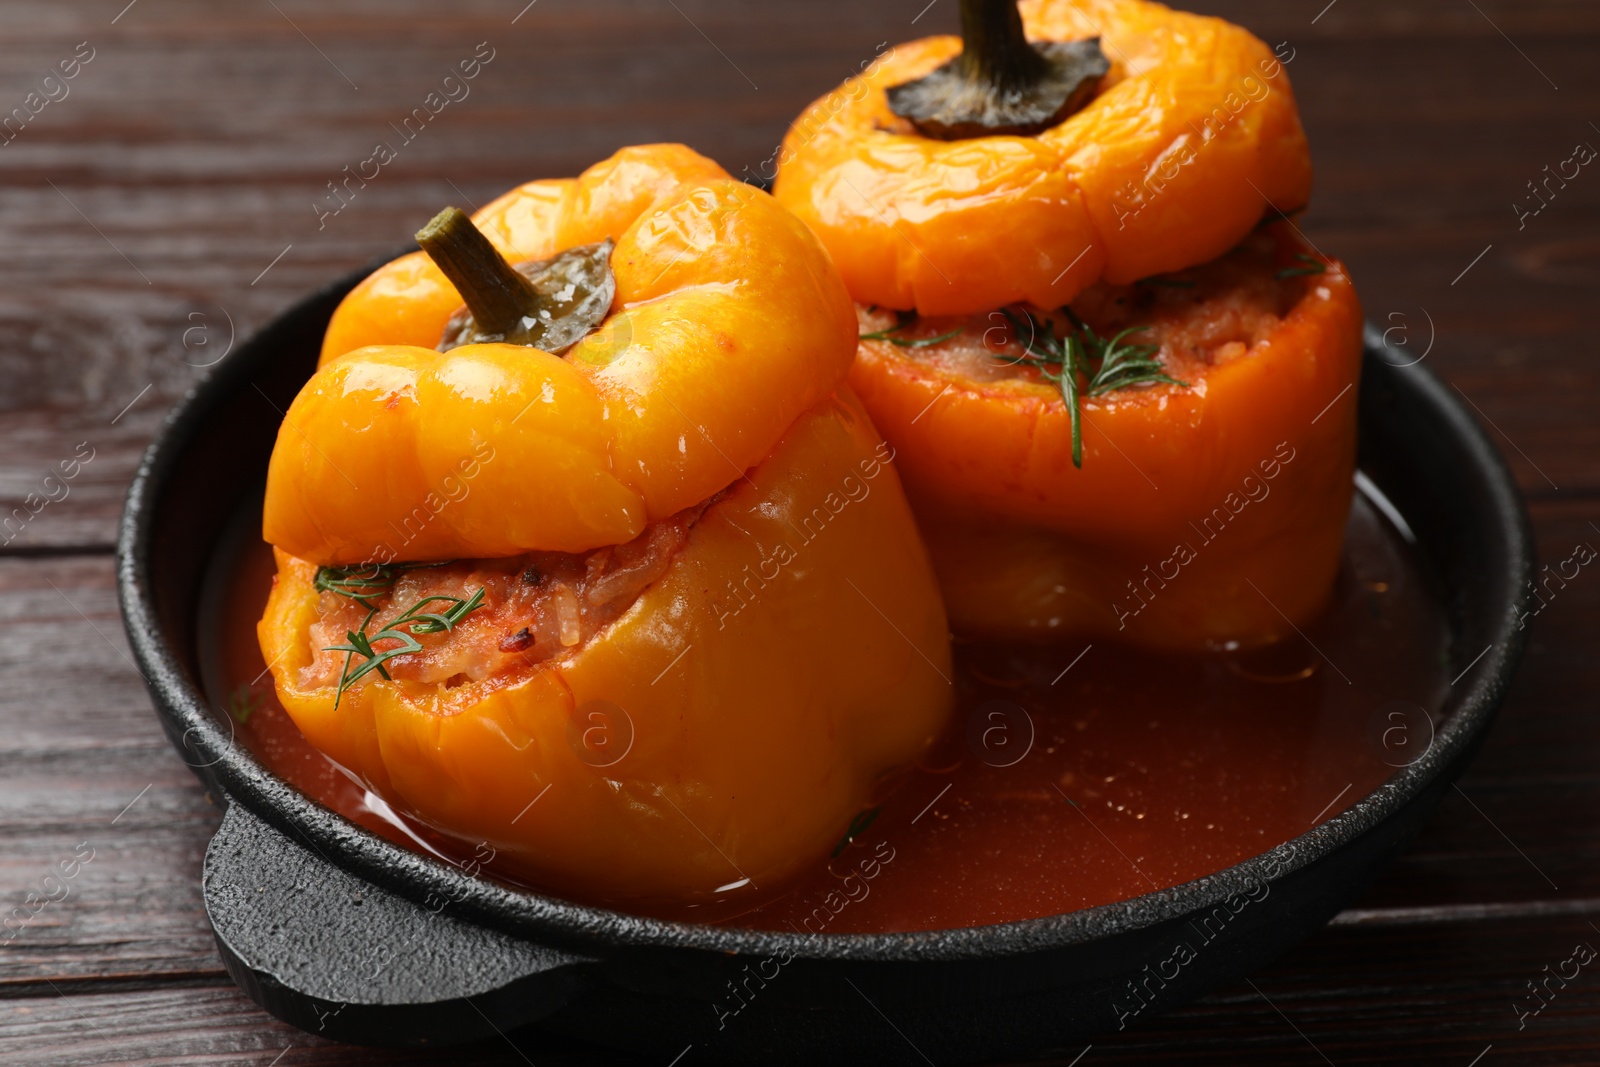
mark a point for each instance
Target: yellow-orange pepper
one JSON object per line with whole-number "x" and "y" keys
{"x": 728, "y": 323}
{"x": 791, "y": 656}
{"x": 795, "y": 648}
{"x": 1193, "y": 134}
{"x": 1202, "y": 515}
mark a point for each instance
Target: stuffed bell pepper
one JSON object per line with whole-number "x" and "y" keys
{"x": 1119, "y": 381}
{"x": 587, "y": 551}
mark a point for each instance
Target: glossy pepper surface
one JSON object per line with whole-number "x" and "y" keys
{"x": 1193, "y": 134}
{"x": 792, "y": 648}
{"x": 728, "y": 322}
{"x": 794, "y": 651}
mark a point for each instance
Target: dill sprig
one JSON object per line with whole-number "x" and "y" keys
{"x": 858, "y": 826}
{"x": 1107, "y": 364}
{"x": 404, "y": 628}
{"x": 1308, "y": 265}
{"x": 243, "y": 702}
{"x": 905, "y": 320}
{"x": 362, "y": 582}
{"x": 1121, "y": 365}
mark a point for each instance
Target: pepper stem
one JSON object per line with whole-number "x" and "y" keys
{"x": 498, "y": 296}
{"x": 1001, "y": 83}
{"x": 995, "y": 50}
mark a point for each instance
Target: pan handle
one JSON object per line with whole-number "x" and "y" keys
{"x": 337, "y": 956}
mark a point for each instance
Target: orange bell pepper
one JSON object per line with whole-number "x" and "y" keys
{"x": 1196, "y": 496}
{"x": 1204, "y": 514}
{"x": 729, "y": 323}
{"x": 794, "y": 652}
{"x": 1193, "y": 133}
{"x": 787, "y": 647}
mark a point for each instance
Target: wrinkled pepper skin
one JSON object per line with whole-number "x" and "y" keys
{"x": 728, "y": 322}
{"x": 795, "y": 649}
{"x": 1027, "y": 545}
{"x": 792, "y": 696}
{"x": 1194, "y": 134}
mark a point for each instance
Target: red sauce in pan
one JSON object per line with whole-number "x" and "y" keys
{"x": 1074, "y": 775}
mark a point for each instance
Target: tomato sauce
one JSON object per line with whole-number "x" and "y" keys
{"x": 1074, "y": 775}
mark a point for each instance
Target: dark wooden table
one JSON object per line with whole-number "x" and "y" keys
{"x": 161, "y": 202}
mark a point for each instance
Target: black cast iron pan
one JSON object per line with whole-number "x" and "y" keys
{"x": 343, "y": 933}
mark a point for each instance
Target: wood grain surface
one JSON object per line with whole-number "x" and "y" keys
{"x": 166, "y": 205}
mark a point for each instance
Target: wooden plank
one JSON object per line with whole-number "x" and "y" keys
{"x": 1414, "y": 995}
{"x": 1418, "y": 995}
{"x": 71, "y": 685}
{"x": 217, "y": 1027}
{"x": 98, "y": 816}
{"x": 130, "y": 914}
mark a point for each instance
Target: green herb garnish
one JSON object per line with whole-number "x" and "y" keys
{"x": 243, "y": 703}
{"x": 858, "y": 826}
{"x": 1121, "y": 365}
{"x": 1107, "y": 363}
{"x": 404, "y": 628}
{"x": 1308, "y": 265}
{"x": 925, "y": 342}
{"x": 906, "y": 320}
{"x": 362, "y": 581}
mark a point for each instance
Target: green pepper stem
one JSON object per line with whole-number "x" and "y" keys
{"x": 498, "y": 296}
